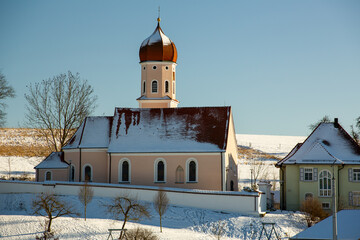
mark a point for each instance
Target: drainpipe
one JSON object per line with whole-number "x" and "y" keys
{"x": 80, "y": 165}
{"x": 110, "y": 168}
{"x": 223, "y": 183}
{"x": 338, "y": 183}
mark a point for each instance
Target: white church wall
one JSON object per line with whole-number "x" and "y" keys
{"x": 239, "y": 202}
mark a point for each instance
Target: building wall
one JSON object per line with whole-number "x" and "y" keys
{"x": 249, "y": 203}
{"x": 96, "y": 158}
{"x": 157, "y": 104}
{"x": 56, "y": 174}
{"x": 143, "y": 169}
{"x": 296, "y": 189}
{"x": 231, "y": 157}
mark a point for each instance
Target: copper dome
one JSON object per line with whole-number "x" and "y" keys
{"x": 158, "y": 47}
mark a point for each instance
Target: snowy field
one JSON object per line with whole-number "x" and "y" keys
{"x": 16, "y": 222}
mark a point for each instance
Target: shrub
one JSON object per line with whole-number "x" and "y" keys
{"x": 140, "y": 234}
{"x": 314, "y": 211}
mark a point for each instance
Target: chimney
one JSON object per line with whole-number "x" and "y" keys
{"x": 336, "y": 122}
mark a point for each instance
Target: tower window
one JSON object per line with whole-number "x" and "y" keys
{"x": 144, "y": 68}
{"x": 167, "y": 68}
{"x": 144, "y": 87}
{"x": 154, "y": 86}
{"x": 166, "y": 86}
{"x": 154, "y": 67}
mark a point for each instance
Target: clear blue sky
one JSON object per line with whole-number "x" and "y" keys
{"x": 281, "y": 65}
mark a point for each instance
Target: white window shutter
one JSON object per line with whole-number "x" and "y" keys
{"x": 315, "y": 174}
{"x": 301, "y": 174}
{"x": 350, "y": 198}
{"x": 350, "y": 174}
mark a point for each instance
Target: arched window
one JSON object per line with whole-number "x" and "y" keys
{"x": 231, "y": 185}
{"x": 48, "y": 176}
{"x": 191, "y": 170}
{"x": 160, "y": 170}
{"x": 154, "y": 86}
{"x": 87, "y": 173}
{"x": 179, "y": 174}
{"x": 124, "y": 170}
{"x": 144, "y": 87}
{"x": 72, "y": 173}
{"x": 166, "y": 86}
{"x": 325, "y": 183}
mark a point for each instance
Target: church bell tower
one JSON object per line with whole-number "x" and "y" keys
{"x": 158, "y": 57}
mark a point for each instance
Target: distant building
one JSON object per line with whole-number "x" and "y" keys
{"x": 156, "y": 144}
{"x": 308, "y": 169}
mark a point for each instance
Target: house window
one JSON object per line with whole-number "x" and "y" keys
{"x": 154, "y": 86}
{"x": 88, "y": 173}
{"x": 354, "y": 199}
{"x": 308, "y": 174}
{"x": 192, "y": 170}
{"x": 325, "y": 183}
{"x": 144, "y": 87}
{"x": 72, "y": 173}
{"x": 124, "y": 170}
{"x": 325, "y": 205}
{"x": 179, "y": 174}
{"x": 308, "y": 196}
{"x": 160, "y": 170}
{"x": 356, "y": 174}
{"x": 166, "y": 86}
{"x": 48, "y": 176}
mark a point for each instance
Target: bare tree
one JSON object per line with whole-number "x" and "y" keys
{"x": 258, "y": 170}
{"x": 218, "y": 229}
{"x": 6, "y": 91}
{"x": 126, "y": 208}
{"x": 58, "y": 105}
{"x": 161, "y": 204}
{"x": 325, "y": 119}
{"x": 51, "y": 207}
{"x": 85, "y": 195}
{"x": 140, "y": 233}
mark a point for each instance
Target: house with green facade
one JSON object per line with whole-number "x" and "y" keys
{"x": 307, "y": 171}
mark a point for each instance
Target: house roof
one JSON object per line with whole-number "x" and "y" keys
{"x": 348, "y": 226}
{"x": 54, "y": 161}
{"x": 329, "y": 143}
{"x": 140, "y": 130}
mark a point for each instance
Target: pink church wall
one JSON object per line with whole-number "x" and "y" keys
{"x": 56, "y": 174}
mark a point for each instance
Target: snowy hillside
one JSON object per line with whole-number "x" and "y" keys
{"x": 179, "y": 223}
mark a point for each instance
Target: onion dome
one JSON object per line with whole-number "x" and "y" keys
{"x": 158, "y": 47}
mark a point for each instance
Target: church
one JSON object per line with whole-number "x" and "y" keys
{"x": 157, "y": 144}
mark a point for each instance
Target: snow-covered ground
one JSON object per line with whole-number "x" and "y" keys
{"x": 16, "y": 221}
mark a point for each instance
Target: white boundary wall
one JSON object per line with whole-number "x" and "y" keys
{"x": 239, "y": 202}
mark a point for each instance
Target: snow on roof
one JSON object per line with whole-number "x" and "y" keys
{"x": 329, "y": 143}
{"x": 195, "y": 129}
{"x": 94, "y": 132}
{"x": 201, "y": 129}
{"x": 348, "y": 226}
{"x": 54, "y": 160}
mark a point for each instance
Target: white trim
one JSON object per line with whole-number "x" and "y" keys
{"x": 187, "y": 167}
{"x": 83, "y": 172}
{"x": 85, "y": 150}
{"x": 158, "y": 63}
{"x": 51, "y": 177}
{"x": 120, "y": 170}
{"x": 312, "y": 174}
{"x": 166, "y": 154}
{"x": 156, "y": 170}
{"x": 157, "y": 86}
